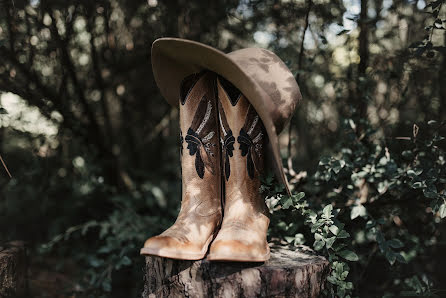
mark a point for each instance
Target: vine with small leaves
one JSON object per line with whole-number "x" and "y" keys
{"x": 426, "y": 45}
{"x": 330, "y": 237}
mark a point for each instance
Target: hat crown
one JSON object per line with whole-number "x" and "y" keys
{"x": 276, "y": 80}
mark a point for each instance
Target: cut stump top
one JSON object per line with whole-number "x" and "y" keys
{"x": 290, "y": 272}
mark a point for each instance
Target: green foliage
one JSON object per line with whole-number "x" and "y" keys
{"x": 364, "y": 203}
{"x": 117, "y": 239}
{"x": 329, "y": 235}
{"x": 107, "y": 177}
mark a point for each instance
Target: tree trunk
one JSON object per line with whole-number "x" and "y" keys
{"x": 13, "y": 269}
{"x": 291, "y": 272}
{"x": 363, "y": 23}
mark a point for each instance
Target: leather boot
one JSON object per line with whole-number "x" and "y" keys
{"x": 242, "y": 236}
{"x": 200, "y": 213}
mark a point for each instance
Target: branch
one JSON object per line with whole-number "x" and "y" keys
{"x": 29, "y": 75}
{"x": 10, "y": 86}
{"x": 363, "y": 39}
{"x": 34, "y": 98}
{"x": 76, "y": 83}
{"x": 10, "y": 27}
{"x": 29, "y": 33}
{"x": 99, "y": 79}
{"x": 5, "y": 167}
{"x": 299, "y": 67}
{"x": 301, "y": 52}
{"x": 364, "y": 58}
{"x": 163, "y": 124}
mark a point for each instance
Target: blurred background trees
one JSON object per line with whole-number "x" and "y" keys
{"x": 93, "y": 147}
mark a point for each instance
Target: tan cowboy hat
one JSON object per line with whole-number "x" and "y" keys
{"x": 258, "y": 73}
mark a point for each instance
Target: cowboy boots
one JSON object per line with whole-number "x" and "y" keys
{"x": 242, "y": 236}
{"x": 189, "y": 237}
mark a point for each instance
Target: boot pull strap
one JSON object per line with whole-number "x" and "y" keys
{"x": 194, "y": 86}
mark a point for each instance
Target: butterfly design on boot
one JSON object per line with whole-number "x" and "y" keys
{"x": 200, "y": 135}
{"x": 251, "y": 142}
{"x": 199, "y": 142}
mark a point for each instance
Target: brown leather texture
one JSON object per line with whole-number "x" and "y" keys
{"x": 258, "y": 73}
{"x": 242, "y": 236}
{"x": 200, "y": 214}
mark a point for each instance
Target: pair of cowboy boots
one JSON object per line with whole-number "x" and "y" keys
{"x": 222, "y": 210}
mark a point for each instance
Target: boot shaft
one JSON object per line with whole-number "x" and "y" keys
{"x": 200, "y": 148}
{"x": 243, "y": 138}
{"x": 222, "y": 144}
{"x": 242, "y": 236}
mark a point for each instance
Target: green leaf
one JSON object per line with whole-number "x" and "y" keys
{"x": 341, "y": 292}
{"x": 442, "y": 210}
{"x": 400, "y": 258}
{"x": 106, "y": 285}
{"x": 327, "y": 211}
{"x": 332, "y": 280}
{"x": 299, "y": 196}
{"x": 411, "y": 173}
{"x": 370, "y": 224}
{"x": 3, "y": 111}
{"x": 334, "y": 229}
{"x": 288, "y": 203}
{"x": 383, "y": 186}
{"x": 324, "y": 161}
{"x": 391, "y": 256}
{"x": 348, "y": 255}
{"x": 329, "y": 241}
{"x": 428, "y": 193}
{"x": 104, "y": 249}
{"x": 126, "y": 260}
{"x": 318, "y": 244}
{"x": 395, "y": 243}
{"x": 417, "y": 185}
{"x": 289, "y": 239}
{"x": 337, "y": 166}
{"x": 343, "y": 234}
{"x": 407, "y": 154}
{"x": 338, "y": 246}
{"x": 318, "y": 236}
{"x": 95, "y": 262}
{"x": 415, "y": 284}
{"x": 358, "y": 210}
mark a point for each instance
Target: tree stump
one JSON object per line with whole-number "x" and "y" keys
{"x": 290, "y": 272}
{"x": 13, "y": 270}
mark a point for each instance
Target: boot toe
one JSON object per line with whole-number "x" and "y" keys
{"x": 160, "y": 242}
{"x": 238, "y": 250}
{"x": 170, "y": 247}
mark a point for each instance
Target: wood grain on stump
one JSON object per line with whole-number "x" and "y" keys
{"x": 291, "y": 272}
{"x": 13, "y": 268}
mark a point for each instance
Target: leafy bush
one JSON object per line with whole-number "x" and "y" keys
{"x": 115, "y": 241}
{"x": 363, "y": 205}
{"x": 373, "y": 200}
{"x": 107, "y": 178}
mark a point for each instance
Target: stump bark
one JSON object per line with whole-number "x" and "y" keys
{"x": 13, "y": 269}
{"x": 290, "y": 272}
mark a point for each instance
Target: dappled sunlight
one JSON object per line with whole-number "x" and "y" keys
{"x": 27, "y": 118}
{"x": 93, "y": 148}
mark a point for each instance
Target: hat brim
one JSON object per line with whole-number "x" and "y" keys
{"x": 175, "y": 58}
